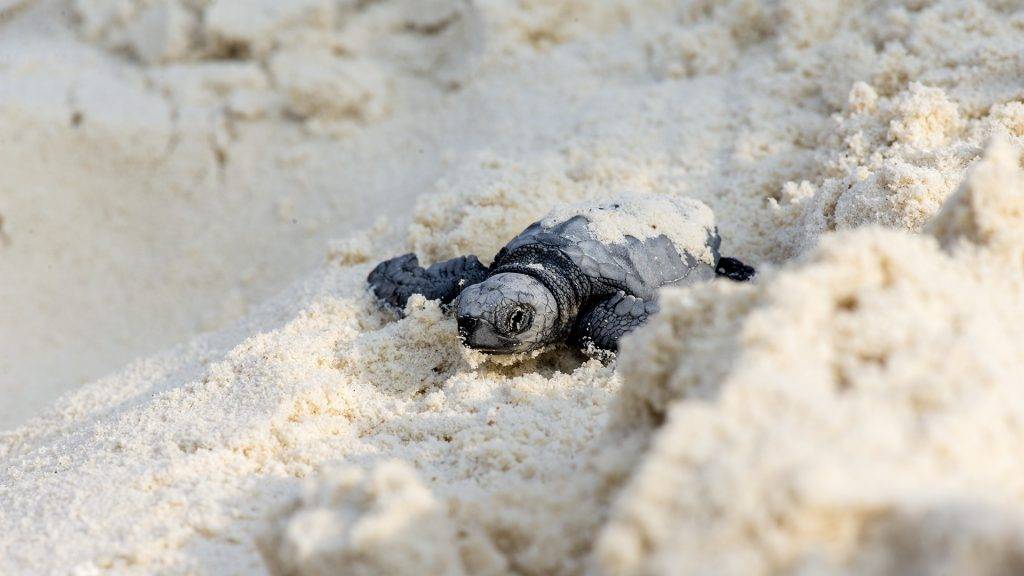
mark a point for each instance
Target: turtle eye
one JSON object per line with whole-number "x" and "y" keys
{"x": 519, "y": 319}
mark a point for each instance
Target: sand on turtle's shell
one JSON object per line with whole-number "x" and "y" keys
{"x": 685, "y": 221}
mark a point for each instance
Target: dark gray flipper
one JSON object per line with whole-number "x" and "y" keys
{"x": 610, "y": 318}
{"x": 395, "y": 280}
{"x": 733, "y": 269}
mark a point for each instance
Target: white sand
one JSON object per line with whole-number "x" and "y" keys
{"x": 857, "y": 410}
{"x": 141, "y": 205}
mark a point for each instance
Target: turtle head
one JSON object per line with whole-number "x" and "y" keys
{"x": 506, "y": 314}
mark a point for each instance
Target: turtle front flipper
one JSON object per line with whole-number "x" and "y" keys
{"x": 394, "y": 281}
{"x": 608, "y": 319}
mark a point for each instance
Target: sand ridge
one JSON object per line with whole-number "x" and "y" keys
{"x": 854, "y": 411}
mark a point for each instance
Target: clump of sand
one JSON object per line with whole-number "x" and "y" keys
{"x": 354, "y": 519}
{"x": 855, "y": 411}
{"x": 322, "y": 61}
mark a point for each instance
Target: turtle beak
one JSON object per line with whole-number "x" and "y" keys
{"x": 467, "y": 326}
{"x": 480, "y": 335}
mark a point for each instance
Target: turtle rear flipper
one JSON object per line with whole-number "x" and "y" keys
{"x": 394, "y": 281}
{"x": 735, "y": 270}
{"x": 609, "y": 319}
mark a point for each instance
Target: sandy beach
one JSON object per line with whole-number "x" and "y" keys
{"x": 195, "y": 379}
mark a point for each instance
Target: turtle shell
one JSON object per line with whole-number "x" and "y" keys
{"x": 633, "y": 244}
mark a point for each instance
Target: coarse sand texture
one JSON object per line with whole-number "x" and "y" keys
{"x": 857, "y": 410}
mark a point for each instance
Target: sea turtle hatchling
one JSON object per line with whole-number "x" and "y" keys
{"x": 586, "y": 274}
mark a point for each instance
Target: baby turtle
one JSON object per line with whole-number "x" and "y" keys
{"x": 586, "y": 274}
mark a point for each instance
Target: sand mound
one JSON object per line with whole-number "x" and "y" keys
{"x": 856, "y": 410}
{"x": 872, "y": 385}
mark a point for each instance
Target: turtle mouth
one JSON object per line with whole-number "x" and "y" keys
{"x": 494, "y": 351}
{"x": 479, "y": 335}
{"x": 509, "y": 348}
